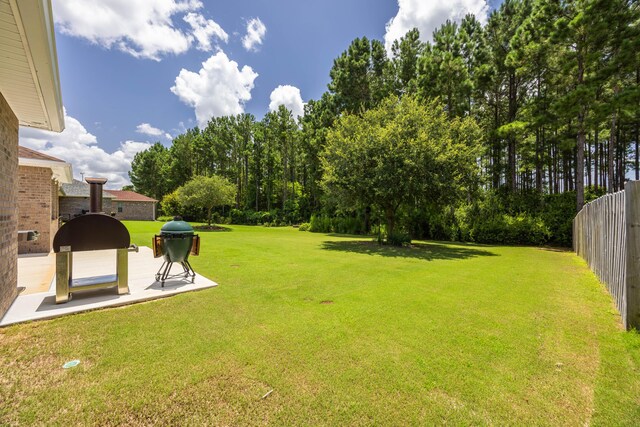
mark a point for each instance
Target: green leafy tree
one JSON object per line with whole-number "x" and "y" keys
{"x": 443, "y": 71}
{"x": 182, "y": 158}
{"x": 359, "y": 76}
{"x": 207, "y": 192}
{"x": 316, "y": 122}
{"x": 580, "y": 35}
{"x": 398, "y": 153}
{"x": 149, "y": 170}
{"x": 406, "y": 53}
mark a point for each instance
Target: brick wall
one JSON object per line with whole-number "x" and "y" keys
{"x": 145, "y": 211}
{"x": 36, "y": 207}
{"x": 72, "y": 206}
{"x": 55, "y": 211}
{"x": 8, "y": 206}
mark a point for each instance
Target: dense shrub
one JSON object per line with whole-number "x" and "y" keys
{"x": 397, "y": 238}
{"x": 496, "y": 216}
{"x": 170, "y": 207}
{"x": 339, "y": 224}
{"x": 524, "y": 218}
{"x": 558, "y": 214}
{"x": 304, "y": 226}
{"x": 251, "y": 217}
{"x": 518, "y": 229}
{"x": 238, "y": 216}
{"x": 320, "y": 224}
{"x": 347, "y": 225}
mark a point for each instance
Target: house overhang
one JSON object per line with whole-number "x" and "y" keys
{"x": 29, "y": 78}
{"x": 61, "y": 170}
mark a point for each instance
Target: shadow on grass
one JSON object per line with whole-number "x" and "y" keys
{"x": 425, "y": 251}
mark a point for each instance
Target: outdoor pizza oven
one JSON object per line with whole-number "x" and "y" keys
{"x": 91, "y": 232}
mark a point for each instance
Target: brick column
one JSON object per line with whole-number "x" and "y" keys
{"x": 8, "y": 206}
{"x": 35, "y": 207}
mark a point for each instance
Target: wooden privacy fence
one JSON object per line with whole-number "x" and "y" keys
{"x": 606, "y": 233}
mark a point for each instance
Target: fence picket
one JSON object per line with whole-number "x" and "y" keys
{"x": 606, "y": 234}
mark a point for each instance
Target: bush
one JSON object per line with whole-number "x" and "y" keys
{"x": 304, "y": 226}
{"x": 518, "y": 229}
{"x": 523, "y": 218}
{"x": 558, "y": 214}
{"x": 398, "y": 238}
{"x": 265, "y": 217}
{"x": 347, "y": 225}
{"x": 237, "y": 216}
{"x": 171, "y": 206}
{"x": 340, "y": 224}
{"x": 320, "y": 224}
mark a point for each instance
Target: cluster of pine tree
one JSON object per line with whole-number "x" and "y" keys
{"x": 554, "y": 86}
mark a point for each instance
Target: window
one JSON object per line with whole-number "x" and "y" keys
{"x": 119, "y": 207}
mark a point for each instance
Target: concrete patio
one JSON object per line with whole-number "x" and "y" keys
{"x": 37, "y": 283}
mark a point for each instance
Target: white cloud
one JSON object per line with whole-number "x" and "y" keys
{"x": 204, "y": 30}
{"x": 256, "y": 31}
{"x": 147, "y": 129}
{"x": 142, "y": 28}
{"x": 289, "y": 96}
{"x": 220, "y": 88}
{"x": 77, "y": 146}
{"x": 427, "y": 16}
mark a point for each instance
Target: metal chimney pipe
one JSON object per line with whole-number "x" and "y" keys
{"x": 95, "y": 194}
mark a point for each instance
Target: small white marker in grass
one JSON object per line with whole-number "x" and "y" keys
{"x": 71, "y": 364}
{"x": 267, "y": 394}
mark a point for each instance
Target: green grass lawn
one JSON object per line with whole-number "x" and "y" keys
{"x": 345, "y": 333}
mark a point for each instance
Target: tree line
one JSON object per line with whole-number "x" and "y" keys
{"x": 553, "y": 87}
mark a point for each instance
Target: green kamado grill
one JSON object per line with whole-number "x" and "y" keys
{"x": 175, "y": 243}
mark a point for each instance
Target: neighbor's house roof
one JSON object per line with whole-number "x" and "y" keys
{"x": 129, "y": 196}
{"x": 61, "y": 169}
{"x": 80, "y": 189}
{"x": 29, "y": 79}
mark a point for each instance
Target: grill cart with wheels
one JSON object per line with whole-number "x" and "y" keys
{"x": 175, "y": 243}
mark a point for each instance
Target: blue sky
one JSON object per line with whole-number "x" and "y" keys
{"x": 132, "y": 71}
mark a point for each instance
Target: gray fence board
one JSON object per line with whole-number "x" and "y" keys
{"x": 606, "y": 233}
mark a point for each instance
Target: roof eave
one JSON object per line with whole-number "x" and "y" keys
{"x": 61, "y": 170}
{"x": 36, "y": 23}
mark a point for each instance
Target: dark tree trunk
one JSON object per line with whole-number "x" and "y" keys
{"x": 496, "y": 147}
{"x": 637, "y": 156}
{"x": 580, "y": 143}
{"x": 246, "y": 179}
{"x": 596, "y": 158}
{"x": 367, "y": 219}
{"x": 580, "y": 169}
{"x": 539, "y": 164}
{"x": 588, "y": 162}
{"x": 511, "y": 148}
{"x": 603, "y": 177}
{"x": 611, "y": 158}
{"x": 390, "y": 216}
{"x": 622, "y": 161}
{"x": 551, "y": 165}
